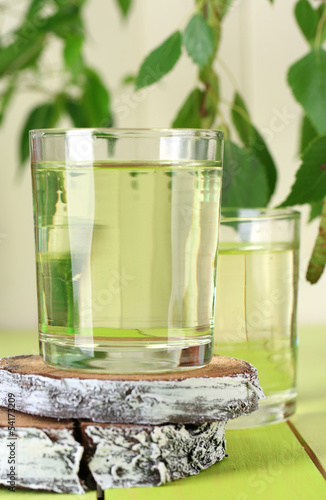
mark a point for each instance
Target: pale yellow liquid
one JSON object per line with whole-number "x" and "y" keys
{"x": 255, "y": 316}
{"x": 126, "y": 264}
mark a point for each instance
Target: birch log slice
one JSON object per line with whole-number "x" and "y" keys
{"x": 123, "y": 456}
{"x": 39, "y": 453}
{"x": 222, "y": 390}
{"x": 50, "y": 455}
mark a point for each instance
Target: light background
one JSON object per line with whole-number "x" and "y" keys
{"x": 259, "y": 43}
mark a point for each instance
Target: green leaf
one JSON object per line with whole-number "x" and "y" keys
{"x": 252, "y": 140}
{"x": 72, "y": 26}
{"x": 318, "y": 259}
{"x": 307, "y": 79}
{"x": 96, "y": 101}
{"x": 307, "y": 135}
{"x": 76, "y": 112}
{"x": 307, "y": 19}
{"x": 34, "y": 8}
{"x": 92, "y": 109}
{"x": 65, "y": 22}
{"x": 241, "y": 120}
{"x": 78, "y": 3}
{"x": 226, "y": 6}
{"x": 43, "y": 116}
{"x": 20, "y": 54}
{"x": 189, "y": 114}
{"x": 198, "y": 38}
{"x": 128, "y": 79}
{"x": 73, "y": 55}
{"x": 315, "y": 209}
{"x": 244, "y": 179}
{"x": 125, "y": 6}
{"x": 321, "y": 12}
{"x": 160, "y": 61}
{"x": 30, "y": 40}
{"x": 310, "y": 183}
{"x": 7, "y": 96}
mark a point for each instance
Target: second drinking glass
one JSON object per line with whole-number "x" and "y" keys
{"x": 256, "y": 298}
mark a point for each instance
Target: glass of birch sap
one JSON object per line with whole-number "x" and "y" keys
{"x": 126, "y": 231}
{"x": 256, "y": 303}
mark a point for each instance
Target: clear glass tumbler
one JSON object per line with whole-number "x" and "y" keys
{"x": 256, "y": 303}
{"x": 126, "y": 231}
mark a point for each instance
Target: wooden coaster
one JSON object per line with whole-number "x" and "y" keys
{"x": 143, "y": 455}
{"x": 222, "y": 390}
{"x": 62, "y": 456}
{"x": 39, "y": 453}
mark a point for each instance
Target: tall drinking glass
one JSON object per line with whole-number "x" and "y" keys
{"x": 256, "y": 303}
{"x": 126, "y": 231}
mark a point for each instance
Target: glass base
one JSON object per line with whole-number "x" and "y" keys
{"x": 107, "y": 356}
{"x": 272, "y": 410}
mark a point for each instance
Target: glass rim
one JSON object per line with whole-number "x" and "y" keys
{"x": 248, "y": 214}
{"x": 130, "y": 132}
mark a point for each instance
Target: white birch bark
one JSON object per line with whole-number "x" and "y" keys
{"x": 127, "y": 456}
{"x": 225, "y": 389}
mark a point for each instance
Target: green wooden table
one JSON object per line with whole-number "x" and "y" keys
{"x": 278, "y": 462}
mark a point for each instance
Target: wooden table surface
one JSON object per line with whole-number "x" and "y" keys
{"x": 277, "y": 462}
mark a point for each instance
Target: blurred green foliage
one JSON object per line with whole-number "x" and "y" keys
{"x": 307, "y": 80}
{"x": 82, "y": 94}
{"x": 250, "y": 174}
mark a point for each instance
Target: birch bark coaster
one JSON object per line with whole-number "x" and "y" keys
{"x": 123, "y": 456}
{"x": 50, "y": 455}
{"x": 222, "y": 390}
{"x": 39, "y": 453}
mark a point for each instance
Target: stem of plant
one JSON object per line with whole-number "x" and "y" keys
{"x": 207, "y": 76}
{"x": 228, "y": 72}
{"x": 319, "y": 30}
